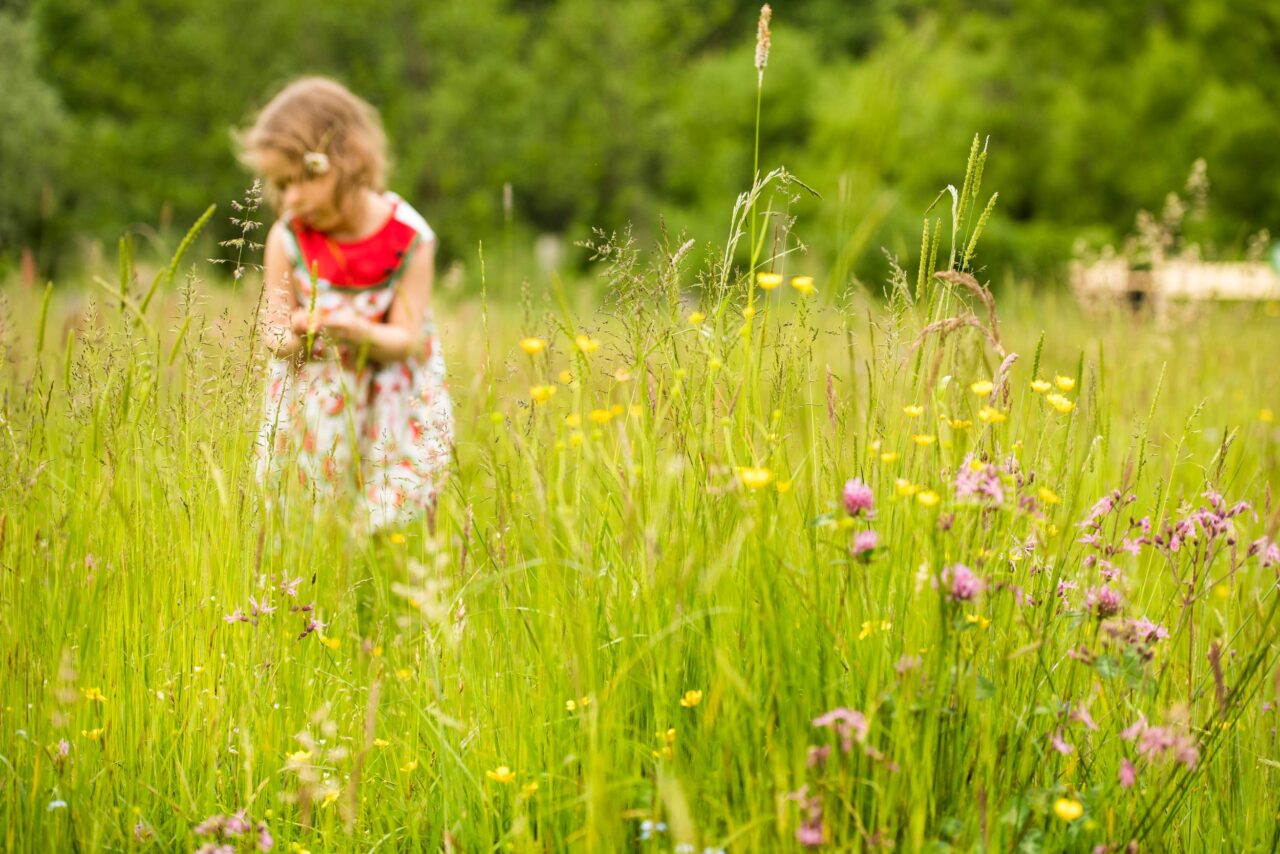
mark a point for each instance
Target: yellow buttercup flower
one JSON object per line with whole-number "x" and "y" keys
{"x": 600, "y": 416}
{"x": 754, "y": 478}
{"x": 528, "y": 790}
{"x": 1048, "y": 496}
{"x": 330, "y": 797}
{"x": 587, "y": 344}
{"x": 1041, "y": 386}
{"x": 409, "y": 766}
{"x": 502, "y": 774}
{"x": 977, "y": 620}
{"x": 397, "y": 538}
{"x": 332, "y": 643}
{"x": 1060, "y": 403}
{"x": 905, "y": 487}
{"x": 749, "y": 312}
{"x": 991, "y": 415}
{"x": 542, "y": 393}
{"x": 533, "y": 346}
{"x": 1064, "y": 383}
{"x": 691, "y": 698}
{"x": 573, "y": 420}
{"x": 803, "y": 284}
{"x": 564, "y": 377}
{"x": 1266, "y": 416}
{"x": 93, "y": 695}
{"x": 300, "y": 756}
{"x": 696, "y": 318}
{"x": 380, "y": 743}
{"x": 914, "y": 410}
{"x": 783, "y": 486}
{"x": 888, "y": 456}
{"x": 93, "y": 734}
{"x": 982, "y": 387}
{"x": 714, "y": 364}
{"x": 924, "y": 438}
{"x": 928, "y": 498}
{"x": 621, "y": 375}
{"x": 960, "y": 423}
{"x": 768, "y": 281}
{"x": 1068, "y": 809}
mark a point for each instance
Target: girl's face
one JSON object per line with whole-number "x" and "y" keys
{"x": 310, "y": 198}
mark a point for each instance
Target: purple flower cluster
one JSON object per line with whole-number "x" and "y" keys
{"x": 978, "y": 481}
{"x": 1155, "y": 742}
{"x": 1212, "y": 520}
{"x": 849, "y": 724}
{"x": 1268, "y": 549}
{"x": 858, "y": 499}
{"x": 288, "y": 589}
{"x": 231, "y": 827}
{"x": 811, "y": 832}
{"x": 1102, "y": 602}
{"x": 965, "y": 586}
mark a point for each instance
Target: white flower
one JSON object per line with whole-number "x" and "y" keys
{"x": 317, "y": 162}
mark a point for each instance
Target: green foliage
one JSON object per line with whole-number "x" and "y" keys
{"x": 33, "y": 127}
{"x": 600, "y": 119}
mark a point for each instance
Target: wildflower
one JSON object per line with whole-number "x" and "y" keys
{"x": 332, "y": 643}
{"x": 236, "y": 616}
{"x": 1068, "y": 809}
{"x": 905, "y": 487}
{"x": 965, "y": 586}
{"x": 564, "y": 377}
{"x": 858, "y": 498}
{"x": 714, "y": 364}
{"x": 978, "y": 480}
{"x": 529, "y": 789}
{"x": 533, "y": 346}
{"x": 299, "y": 757}
{"x": 142, "y": 833}
{"x": 56, "y": 805}
{"x": 1128, "y": 774}
{"x": 1102, "y": 601}
{"x": 1266, "y": 416}
{"x": 315, "y": 162}
{"x": 803, "y": 284}
{"x": 783, "y": 486}
{"x": 960, "y": 423}
{"x": 502, "y": 774}
{"x": 869, "y": 628}
{"x": 600, "y": 416}
{"x": 768, "y": 281}
{"x": 380, "y": 743}
{"x": 1041, "y": 386}
{"x": 1060, "y": 403}
{"x": 1060, "y": 744}
{"x": 261, "y": 609}
{"x": 691, "y": 698}
{"x": 93, "y": 734}
{"x": 696, "y": 318}
{"x": 982, "y": 388}
{"x": 754, "y": 478}
{"x": 991, "y": 415}
{"x": 924, "y": 438}
{"x": 587, "y": 344}
{"x": 93, "y": 695}
{"x": 978, "y": 620}
{"x": 1064, "y": 383}
{"x": 928, "y": 498}
{"x": 914, "y": 410}
{"x": 541, "y": 393}
{"x": 648, "y": 828}
{"x": 865, "y": 541}
{"x": 1048, "y": 496}
{"x": 849, "y": 724}
{"x": 621, "y": 375}
{"x": 888, "y": 456}
{"x": 411, "y": 765}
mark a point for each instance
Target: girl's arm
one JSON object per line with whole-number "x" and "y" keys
{"x": 279, "y": 303}
{"x": 401, "y": 335}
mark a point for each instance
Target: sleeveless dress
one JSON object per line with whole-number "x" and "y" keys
{"x": 384, "y": 430}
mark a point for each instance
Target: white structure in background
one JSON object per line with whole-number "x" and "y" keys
{"x": 1109, "y": 281}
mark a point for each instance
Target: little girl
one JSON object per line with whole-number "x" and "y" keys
{"x": 348, "y": 273}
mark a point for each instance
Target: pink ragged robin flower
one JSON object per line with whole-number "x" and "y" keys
{"x": 1102, "y": 601}
{"x": 965, "y": 586}
{"x": 1128, "y": 774}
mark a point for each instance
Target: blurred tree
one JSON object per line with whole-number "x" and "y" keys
{"x": 34, "y": 126}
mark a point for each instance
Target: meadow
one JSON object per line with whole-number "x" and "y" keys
{"x": 731, "y": 559}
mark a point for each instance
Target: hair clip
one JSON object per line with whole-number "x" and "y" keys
{"x": 316, "y": 162}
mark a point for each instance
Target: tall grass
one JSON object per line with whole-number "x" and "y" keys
{"x": 633, "y": 613}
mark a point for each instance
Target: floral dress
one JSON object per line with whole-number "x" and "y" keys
{"x": 384, "y": 429}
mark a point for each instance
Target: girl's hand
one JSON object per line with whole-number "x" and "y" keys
{"x": 344, "y": 325}
{"x": 303, "y": 323}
